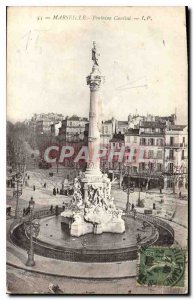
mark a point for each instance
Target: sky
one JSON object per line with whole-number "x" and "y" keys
{"x": 142, "y": 56}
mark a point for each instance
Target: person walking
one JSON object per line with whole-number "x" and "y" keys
{"x": 54, "y": 191}
{"x": 56, "y": 210}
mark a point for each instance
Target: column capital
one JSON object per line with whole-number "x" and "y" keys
{"x": 95, "y": 81}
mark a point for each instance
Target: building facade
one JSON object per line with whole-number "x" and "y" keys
{"x": 72, "y": 129}
{"x": 176, "y": 156}
{"x": 108, "y": 129}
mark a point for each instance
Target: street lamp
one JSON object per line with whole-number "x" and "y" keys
{"x": 30, "y": 262}
{"x": 139, "y": 198}
{"x": 128, "y": 191}
{"x": 17, "y": 193}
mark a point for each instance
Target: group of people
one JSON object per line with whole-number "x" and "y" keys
{"x": 26, "y": 211}
{"x": 55, "y": 191}
{"x": 56, "y": 210}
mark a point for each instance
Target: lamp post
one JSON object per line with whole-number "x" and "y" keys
{"x": 139, "y": 187}
{"x": 17, "y": 193}
{"x": 128, "y": 191}
{"x": 30, "y": 262}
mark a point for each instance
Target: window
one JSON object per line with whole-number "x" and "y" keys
{"x": 150, "y": 154}
{"x": 159, "y": 154}
{"x": 152, "y": 142}
{"x": 159, "y": 167}
{"x": 171, "y": 141}
{"x": 135, "y": 139}
{"x": 142, "y": 166}
{"x": 171, "y": 154}
{"x": 183, "y": 154}
{"x": 151, "y": 167}
{"x": 171, "y": 167}
{"x": 143, "y": 141}
{"x": 145, "y": 154}
{"x": 183, "y": 140}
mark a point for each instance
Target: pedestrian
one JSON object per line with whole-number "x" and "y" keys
{"x": 24, "y": 211}
{"x": 51, "y": 208}
{"x": 8, "y": 211}
{"x": 45, "y": 185}
{"x": 57, "y": 191}
{"x": 132, "y": 206}
{"x": 54, "y": 191}
{"x": 135, "y": 213}
{"x": 180, "y": 195}
{"x": 28, "y": 177}
{"x": 34, "y": 188}
{"x": 154, "y": 206}
{"x": 56, "y": 210}
{"x": 63, "y": 207}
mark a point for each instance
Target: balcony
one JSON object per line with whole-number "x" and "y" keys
{"x": 175, "y": 145}
{"x": 170, "y": 158}
{"x": 146, "y": 173}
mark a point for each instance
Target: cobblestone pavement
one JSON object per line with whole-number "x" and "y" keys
{"x": 27, "y": 282}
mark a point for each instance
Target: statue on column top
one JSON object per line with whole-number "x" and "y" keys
{"x": 95, "y": 54}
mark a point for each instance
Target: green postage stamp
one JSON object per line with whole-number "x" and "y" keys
{"x": 161, "y": 266}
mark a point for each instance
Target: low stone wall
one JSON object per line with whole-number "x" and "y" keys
{"x": 163, "y": 233}
{"x": 166, "y": 232}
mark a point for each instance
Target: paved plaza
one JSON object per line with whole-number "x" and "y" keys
{"x": 57, "y": 271}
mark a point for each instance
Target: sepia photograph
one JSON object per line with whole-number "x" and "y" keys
{"x": 97, "y": 150}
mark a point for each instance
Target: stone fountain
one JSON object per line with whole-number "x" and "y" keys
{"x": 92, "y": 208}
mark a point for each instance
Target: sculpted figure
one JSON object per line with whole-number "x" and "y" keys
{"x": 95, "y": 54}
{"x": 77, "y": 195}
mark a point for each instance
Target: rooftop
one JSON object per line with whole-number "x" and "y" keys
{"x": 107, "y": 122}
{"x": 122, "y": 122}
{"x": 76, "y": 118}
{"x": 152, "y": 124}
{"x": 117, "y": 138}
{"x": 177, "y": 127}
{"x": 132, "y": 131}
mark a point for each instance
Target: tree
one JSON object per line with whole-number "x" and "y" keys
{"x": 176, "y": 172}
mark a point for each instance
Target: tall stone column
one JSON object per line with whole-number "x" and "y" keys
{"x": 94, "y": 211}
{"x": 94, "y": 80}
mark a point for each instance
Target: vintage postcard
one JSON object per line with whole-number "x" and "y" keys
{"x": 97, "y": 150}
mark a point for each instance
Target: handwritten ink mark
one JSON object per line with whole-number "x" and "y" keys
{"x": 28, "y": 39}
